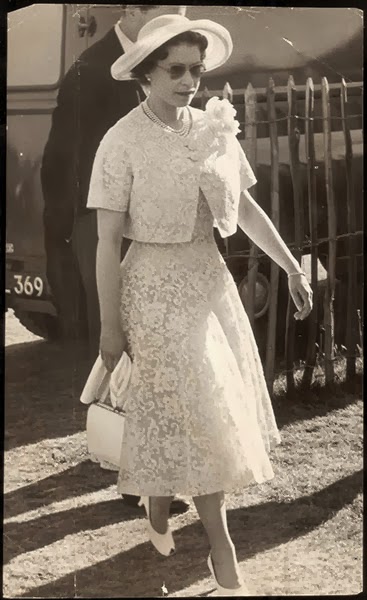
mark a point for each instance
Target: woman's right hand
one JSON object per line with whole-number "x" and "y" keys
{"x": 113, "y": 342}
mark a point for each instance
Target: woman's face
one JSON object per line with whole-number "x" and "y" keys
{"x": 164, "y": 83}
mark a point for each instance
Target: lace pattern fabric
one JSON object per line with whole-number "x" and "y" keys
{"x": 154, "y": 176}
{"x": 198, "y": 418}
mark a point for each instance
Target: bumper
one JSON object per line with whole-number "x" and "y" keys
{"x": 29, "y": 304}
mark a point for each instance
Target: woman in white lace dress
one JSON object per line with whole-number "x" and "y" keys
{"x": 199, "y": 420}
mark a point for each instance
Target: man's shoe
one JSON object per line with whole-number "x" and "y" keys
{"x": 131, "y": 500}
{"x": 177, "y": 506}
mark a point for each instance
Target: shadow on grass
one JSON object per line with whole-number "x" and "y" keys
{"x": 38, "y": 533}
{"x": 141, "y": 571}
{"x": 43, "y": 382}
{"x": 84, "y": 478}
{"x": 316, "y": 402}
{"x": 46, "y": 405}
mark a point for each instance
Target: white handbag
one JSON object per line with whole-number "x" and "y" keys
{"x": 105, "y": 424}
{"x": 105, "y": 430}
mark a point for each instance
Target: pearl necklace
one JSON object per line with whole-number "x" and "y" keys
{"x": 184, "y": 129}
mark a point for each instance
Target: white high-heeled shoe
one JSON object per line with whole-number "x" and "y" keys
{"x": 163, "y": 542}
{"x": 222, "y": 591}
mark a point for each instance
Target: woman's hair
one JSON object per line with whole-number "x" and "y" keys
{"x": 191, "y": 38}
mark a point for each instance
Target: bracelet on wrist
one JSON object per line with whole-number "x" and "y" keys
{"x": 296, "y": 273}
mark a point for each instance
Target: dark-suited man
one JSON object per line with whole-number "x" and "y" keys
{"x": 89, "y": 102}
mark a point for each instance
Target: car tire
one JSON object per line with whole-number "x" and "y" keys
{"x": 41, "y": 324}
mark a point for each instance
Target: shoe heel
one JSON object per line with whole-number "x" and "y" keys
{"x": 222, "y": 591}
{"x": 163, "y": 542}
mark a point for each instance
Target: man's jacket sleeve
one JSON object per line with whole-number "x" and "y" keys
{"x": 60, "y": 171}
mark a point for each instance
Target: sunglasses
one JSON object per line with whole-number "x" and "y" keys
{"x": 178, "y": 71}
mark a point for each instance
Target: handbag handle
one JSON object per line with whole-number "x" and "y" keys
{"x": 119, "y": 380}
{"x": 100, "y": 382}
{"x": 93, "y": 389}
{"x": 103, "y": 388}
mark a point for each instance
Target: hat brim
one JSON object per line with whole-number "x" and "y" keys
{"x": 217, "y": 53}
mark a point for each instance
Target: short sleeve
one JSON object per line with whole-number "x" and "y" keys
{"x": 247, "y": 176}
{"x": 111, "y": 179}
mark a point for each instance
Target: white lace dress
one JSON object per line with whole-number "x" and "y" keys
{"x": 198, "y": 415}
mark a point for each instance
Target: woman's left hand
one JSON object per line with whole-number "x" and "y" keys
{"x": 301, "y": 293}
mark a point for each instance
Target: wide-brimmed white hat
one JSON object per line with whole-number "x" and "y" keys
{"x": 161, "y": 29}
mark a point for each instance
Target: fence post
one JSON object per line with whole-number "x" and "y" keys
{"x": 204, "y": 97}
{"x": 293, "y": 145}
{"x": 274, "y": 276}
{"x": 351, "y": 336}
{"x": 251, "y": 135}
{"x": 330, "y": 284}
{"x": 227, "y": 92}
{"x": 312, "y": 216}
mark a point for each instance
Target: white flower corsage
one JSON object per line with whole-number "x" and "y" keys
{"x": 221, "y": 116}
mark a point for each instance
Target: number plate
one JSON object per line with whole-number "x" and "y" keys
{"x": 28, "y": 285}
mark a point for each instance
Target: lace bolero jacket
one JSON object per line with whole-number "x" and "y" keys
{"x": 154, "y": 175}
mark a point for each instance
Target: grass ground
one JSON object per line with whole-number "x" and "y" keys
{"x": 67, "y": 534}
